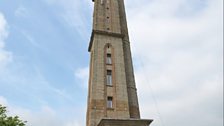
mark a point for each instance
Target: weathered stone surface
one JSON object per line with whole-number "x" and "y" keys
{"x": 110, "y": 35}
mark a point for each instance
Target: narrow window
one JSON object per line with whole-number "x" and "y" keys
{"x": 109, "y": 77}
{"x": 109, "y": 61}
{"x": 109, "y": 102}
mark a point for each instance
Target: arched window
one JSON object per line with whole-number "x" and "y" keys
{"x": 108, "y": 53}
{"x": 109, "y": 64}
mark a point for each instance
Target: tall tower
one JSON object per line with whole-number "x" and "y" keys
{"x": 112, "y": 95}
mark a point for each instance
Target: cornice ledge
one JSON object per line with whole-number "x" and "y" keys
{"x": 119, "y": 35}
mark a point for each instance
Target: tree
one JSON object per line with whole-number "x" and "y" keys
{"x": 9, "y": 120}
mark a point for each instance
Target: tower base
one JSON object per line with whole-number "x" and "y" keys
{"x": 125, "y": 122}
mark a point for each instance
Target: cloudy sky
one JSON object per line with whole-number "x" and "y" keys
{"x": 176, "y": 45}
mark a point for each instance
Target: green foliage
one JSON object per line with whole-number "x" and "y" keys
{"x": 9, "y": 121}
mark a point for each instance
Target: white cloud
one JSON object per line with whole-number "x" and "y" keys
{"x": 3, "y": 27}
{"x": 177, "y": 46}
{"x": 21, "y": 11}
{"x": 73, "y": 13}
{"x": 45, "y": 116}
{"x": 3, "y": 101}
{"x": 5, "y": 56}
{"x": 83, "y": 75}
{"x": 74, "y": 123}
{"x": 30, "y": 39}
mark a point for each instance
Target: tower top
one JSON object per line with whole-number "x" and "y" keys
{"x": 109, "y": 18}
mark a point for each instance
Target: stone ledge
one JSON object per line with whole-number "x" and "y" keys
{"x": 125, "y": 122}
{"x": 119, "y": 35}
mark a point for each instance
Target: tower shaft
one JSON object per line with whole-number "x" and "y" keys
{"x": 112, "y": 91}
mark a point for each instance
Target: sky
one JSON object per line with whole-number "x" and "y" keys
{"x": 177, "y": 49}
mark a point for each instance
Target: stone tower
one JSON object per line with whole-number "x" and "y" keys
{"x": 112, "y": 95}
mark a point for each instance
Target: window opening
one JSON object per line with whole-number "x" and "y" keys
{"x": 109, "y": 59}
{"x": 109, "y": 102}
{"x": 109, "y": 77}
